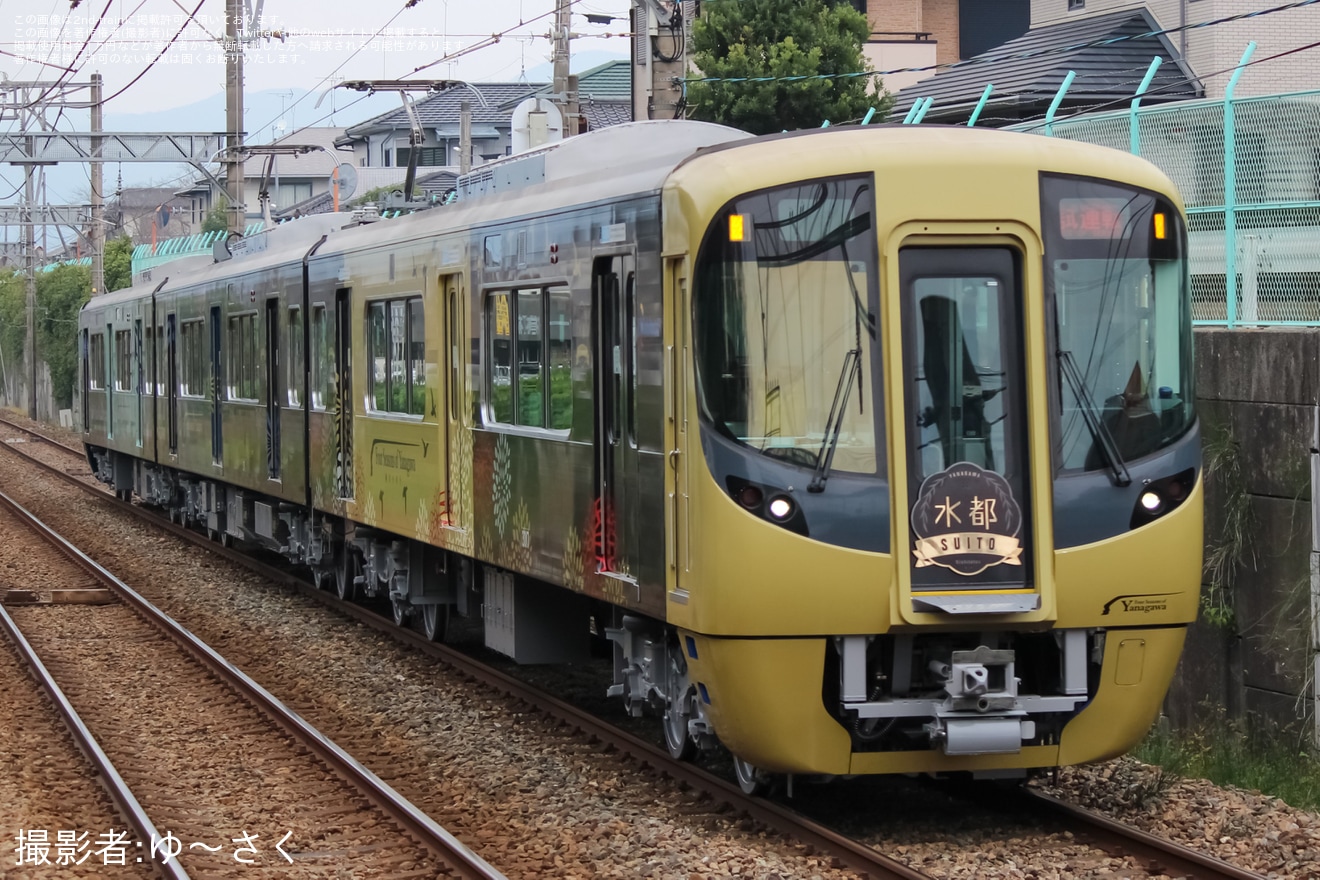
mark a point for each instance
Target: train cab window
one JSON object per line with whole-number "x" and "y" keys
{"x": 96, "y": 361}
{"x": 123, "y": 360}
{"x": 243, "y": 354}
{"x": 295, "y": 378}
{"x": 323, "y": 359}
{"x": 1116, "y": 275}
{"x": 786, "y": 315}
{"x": 192, "y": 358}
{"x": 396, "y": 351}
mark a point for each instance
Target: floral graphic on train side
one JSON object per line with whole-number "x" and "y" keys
{"x": 966, "y": 520}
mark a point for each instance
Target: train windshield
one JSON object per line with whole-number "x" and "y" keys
{"x": 1116, "y": 271}
{"x": 785, "y": 316}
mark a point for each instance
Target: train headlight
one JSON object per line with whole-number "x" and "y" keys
{"x": 1151, "y": 502}
{"x": 749, "y": 497}
{"x": 781, "y": 507}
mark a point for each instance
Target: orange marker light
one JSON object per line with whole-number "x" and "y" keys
{"x": 737, "y": 227}
{"x": 1159, "y": 225}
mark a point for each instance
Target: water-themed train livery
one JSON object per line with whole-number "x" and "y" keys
{"x": 872, "y": 450}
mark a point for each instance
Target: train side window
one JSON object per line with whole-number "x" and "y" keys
{"x": 192, "y": 356}
{"x": 377, "y": 357}
{"x": 416, "y": 358}
{"x": 96, "y": 361}
{"x": 500, "y": 323}
{"x": 396, "y": 350}
{"x": 560, "y": 340}
{"x": 243, "y": 357}
{"x": 295, "y": 379}
{"x": 123, "y": 360}
{"x": 531, "y": 355}
{"x": 144, "y": 367}
{"x": 323, "y": 360}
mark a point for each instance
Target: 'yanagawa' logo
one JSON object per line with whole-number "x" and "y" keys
{"x": 966, "y": 520}
{"x": 1140, "y": 603}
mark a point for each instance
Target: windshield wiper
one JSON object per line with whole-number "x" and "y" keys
{"x": 1100, "y": 434}
{"x": 848, "y": 376}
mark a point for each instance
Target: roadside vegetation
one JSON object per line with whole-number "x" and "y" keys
{"x": 1278, "y": 764}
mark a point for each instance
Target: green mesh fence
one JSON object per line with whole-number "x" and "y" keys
{"x": 1249, "y": 174}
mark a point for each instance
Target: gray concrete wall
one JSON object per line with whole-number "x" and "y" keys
{"x": 1258, "y": 389}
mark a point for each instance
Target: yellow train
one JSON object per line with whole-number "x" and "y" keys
{"x": 872, "y": 450}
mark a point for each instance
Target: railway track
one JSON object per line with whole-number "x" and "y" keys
{"x": 213, "y": 774}
{"x": 1160, "y": 857}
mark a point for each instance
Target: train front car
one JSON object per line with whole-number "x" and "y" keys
{"x": 934, "y": 502}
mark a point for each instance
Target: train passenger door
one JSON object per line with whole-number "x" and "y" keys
{"x": 140, "y": 379}
{"x": 172, "y": 381}
{"x": 344, "y": 392}
{"x": 967, "y": 443}
{"x": 109, "y": 373}
{"x": 274, "y": 370}
{"x": 456, "y": 434}
{"x": 86, "y": 381}
{"x": 615, "y": 460}
{"x": 217, "y": 384}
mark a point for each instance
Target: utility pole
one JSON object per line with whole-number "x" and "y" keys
{"x": 234, "y": 114}
{"x": 565, "y": 88}
{"x": 660, "y": 29}
{"x": 30, "y": 250}
{"x": 97, "y": 236}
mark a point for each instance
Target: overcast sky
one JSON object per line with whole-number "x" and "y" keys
{"x": 325, "y": 41}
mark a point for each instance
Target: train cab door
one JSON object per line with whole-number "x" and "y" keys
{"x": 217, "y": 386}
{"x": 615, "y": 459}
{"x": 458, "y": 407}
{"x": 274, "y": 371}
{"x": 967, "y": 442}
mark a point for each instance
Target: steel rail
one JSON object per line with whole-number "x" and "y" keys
{"x": 127, "y": 803}
{"x": 1163, "y": 855}
{"x": 461, "y": 860}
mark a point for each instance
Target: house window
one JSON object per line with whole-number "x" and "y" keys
{"x": 1076, "y": 4}
{"x": 396, "y": 351}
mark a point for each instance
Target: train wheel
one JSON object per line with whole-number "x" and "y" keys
{"x": 402, "y": 610}
{"x": 678, "y": 699}
{"x": 346, "y": 574}
{"x": 324, "y": 578}
{"x": 753, "y": 782}
{"x": 435, "y": 621}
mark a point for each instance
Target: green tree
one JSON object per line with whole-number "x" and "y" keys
{"x": 13, "y": 321}
{"x": 61, "y": 293}
{"x": 118, "y": 263}
{"x": 217, "y": 219}
{"x": 779, "y": 38}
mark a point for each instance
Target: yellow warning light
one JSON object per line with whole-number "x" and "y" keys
{"x": 1160, "y": 228}
{"x": 737, "y": 227}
